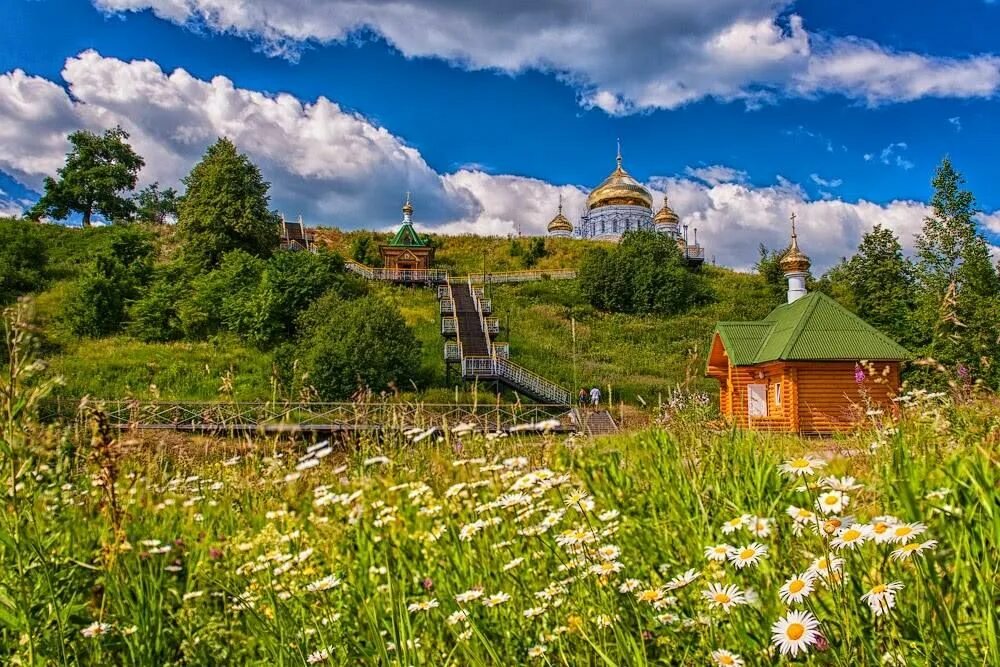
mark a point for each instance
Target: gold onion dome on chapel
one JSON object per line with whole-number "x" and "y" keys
{"x": 619, "y": 189}
{"x": 666, "y": 214}
{"x": 560, "y": 223}
{"x": 795, "y": 261}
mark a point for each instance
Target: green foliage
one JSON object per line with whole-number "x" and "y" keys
{"x": 644, "y": 273}
{"x": 768, "y": 266}
{"x": 156, "y": 206}
{"x": 959, "y": 300}
{"x": 358, "y": 344}
{"x": 155, "y": 316}
{"x": 364, "y": 249}
{"x": 98, "y": 173}
{"x": 23, "y": 259}
{"x": 225, "y": 208}
{"x": 536, "y": 251}
{"x": 98, "y": 301}
{"x": 881, "y": 284}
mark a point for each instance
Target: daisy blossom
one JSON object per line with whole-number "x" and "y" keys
{"x": 795, "y": 632}
{"x": 723, "y": 658}
{"x": 913, "y": 549}
{"x": 723, "y": 597}
{"x": 719, "y": 552}
{"x": 851, "y": 537}
{"x": 751, "y": 554}
{"x": 797, "y": 588}
{"x": 882, "y": 597}
{"x": 801, "y": 466}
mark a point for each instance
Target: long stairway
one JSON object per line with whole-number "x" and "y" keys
{"x": 599, "y": 422}
{"x": 479, "y": 358}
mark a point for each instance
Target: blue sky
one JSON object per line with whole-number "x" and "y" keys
{"x": 741, "y": 111}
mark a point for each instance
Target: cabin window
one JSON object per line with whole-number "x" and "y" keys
{"x": 777, "y": 393}
{"x": 757, "y": 400}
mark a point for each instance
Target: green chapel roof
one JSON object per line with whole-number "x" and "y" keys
{"x": 407, "y": 237}
{"x": 812, "y": 328}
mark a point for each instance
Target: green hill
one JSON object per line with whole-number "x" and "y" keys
{"x": 636, "y": 356}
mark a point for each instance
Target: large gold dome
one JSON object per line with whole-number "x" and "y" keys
{"x": 619, "y": 189}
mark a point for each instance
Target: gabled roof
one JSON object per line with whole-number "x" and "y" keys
{"x": 408, "y": 237}
{"x": 812, "y": 328}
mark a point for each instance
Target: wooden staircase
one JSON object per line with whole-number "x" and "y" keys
{"x": 596, "y": 422}
{"x": 478, "y": 356}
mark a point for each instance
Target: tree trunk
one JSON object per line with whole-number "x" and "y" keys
{"x": 86, "y": 216}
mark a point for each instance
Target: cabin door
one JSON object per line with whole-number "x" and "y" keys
{"x": 757, "y": 398}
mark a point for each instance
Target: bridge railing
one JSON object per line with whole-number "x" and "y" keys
{"x": 440, "y": 276}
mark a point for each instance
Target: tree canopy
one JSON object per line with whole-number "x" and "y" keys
{"x": 156, "y": 205}
{"x": 225, "y": 208}
{"x": 99, "y": 171}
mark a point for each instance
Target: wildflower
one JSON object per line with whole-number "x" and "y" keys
{"x": 759, "y": 526}
{"x": 904, "y": 531}
{"x": 733, "y": 525}
{"x": 629, "y": 585}
{"x": 723, "y": 597}
{"x": 795, "y": 632}
{"x": 469, "y": 595}
{"x": 881, "y": 529}
{"x": 537, "y": 651}
{"x": 651, "y": 595}
{"x": 457, "y": 617}
{"x": 376, "y": 460}
{"x": 797, "y": 588}
{"x": 318, "y": 656}
{"x": 825, "y": 568}
{"x": 846, "y": 483}
{"x": 192, "y": 594}
{"x": 532, "y": 612}
{"x": 609, "y": 552}
{"x": 801, "y": 466}
{"x": 682, "y": 580}
{"x": 719, "y": 552}
{"x": 95, "y": 629}
{"x": 496, "y": 599}
{"x": 913, "y": 549}
{"x": 609, "y": 515}
{"x": 851, "y": 536}
{"x": 324, "y": 584}
{"x": 723, "y": 658}
{"x": 832, "y": 502}
{"x": 606, "y": 568}
{"x": 882, "y": 597}
{"x": 832, "y": 525}
{"x": 512, "y": 564}
{"x": 423, "y": 605}
{"x": 308, "y": 463}
{"x": 748, "y": 555}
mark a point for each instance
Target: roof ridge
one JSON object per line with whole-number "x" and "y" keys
{"x": 804, "y": 317}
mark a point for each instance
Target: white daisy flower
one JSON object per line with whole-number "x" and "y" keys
{"x": 718, "y": 552}
{"x": 723, "y": 597}
{"x": 606, "y": 568}
{"x": 629, "y": 585}
{"x": 851, "y": 537}
{"x": 609, "y": 552}
{"x": 797, "y": 588}
{"x": 469, "y": 595}
{"x": 832, "y": 502}
{"x": 882, "y": 597}
{"x": 751, "y": 554}
{"x": 423, "y": 605}
{"x": 682, "y": 580}
{"x": 732, "y": 525}
{"x": 795, "y": 632}
{"x": 846, "y": 483}
{"x": 801, "y": 466}
{"x": 913, "y": 549}
{"x": 496, "y": 599}
{"x": 881, "y": 529}
{"x": 457, "y": 617}
{"x": 825, "y": 567}
{"x": 723, "y": 658}
{"x": 317, "y": 657}
{"x": 904, "y": 532}
{"x": 537, "y": 651}
{"x": 95, "y": 629}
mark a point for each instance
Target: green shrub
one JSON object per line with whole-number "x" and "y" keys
{"x": 23, "y": 259}
{"x": 364, "y": 343}
{"x": 155, "y": 317}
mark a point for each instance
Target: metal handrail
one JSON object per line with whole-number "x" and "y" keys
{"x": 441, "y": 275}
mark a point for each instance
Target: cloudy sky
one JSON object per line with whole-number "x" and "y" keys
{"x": 741, "y": 110}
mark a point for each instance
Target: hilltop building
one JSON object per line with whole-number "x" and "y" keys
{"x": 810, "y": 366}
{"x": 621, "y": 204}
{"x": 407, "y": 250}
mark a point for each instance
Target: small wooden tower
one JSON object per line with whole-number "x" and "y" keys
{"x": 810, "y": 366}
{"x": 407, "y": 250}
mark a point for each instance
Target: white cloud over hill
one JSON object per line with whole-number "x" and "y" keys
{"x": 337, "y": 167}
{"x": 621, "y": 55}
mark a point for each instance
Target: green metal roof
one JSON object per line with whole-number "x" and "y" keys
{"x": 407, "y": 237}
{"x": 814, "y": 327}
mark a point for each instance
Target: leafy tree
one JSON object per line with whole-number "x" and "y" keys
{"x": 363, "y": 343}
{"x": 959, "y": 286}
{"x": 155, "y": 316}
{"x": 768, "y": 266}
{"x": 98, "y": 301}
{"x": 23, "y": 259}
{"x": 881, "y": 284}
{"x": 156, "y": 205}
{"x": 836, "y": 283}
{"x": 536, "y": 250}
{"x": 364, "y": 250}
{"x": 644, "y": 273}
{"x": 99, "y": 170}
{"x": 225, "y": 208}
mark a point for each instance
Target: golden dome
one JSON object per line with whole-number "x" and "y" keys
{"x": 666, "y": 215}
{"x": 795, "y": 261}
{"x": 408, "y": 207}
{"x": 619, "y": 189}
{"x": 560, "y": 223}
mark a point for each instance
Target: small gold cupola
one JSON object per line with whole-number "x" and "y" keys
{"x": 560, "y": 226}
{"x": 795, "y": 265}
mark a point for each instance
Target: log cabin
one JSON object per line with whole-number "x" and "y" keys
{"x": 811, "y": 366}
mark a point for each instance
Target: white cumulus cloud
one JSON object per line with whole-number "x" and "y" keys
{"x": 621, "y": 55}
{"x": 339, "y": 168}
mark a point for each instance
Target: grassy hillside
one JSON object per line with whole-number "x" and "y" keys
{"x": 637, "y": 356}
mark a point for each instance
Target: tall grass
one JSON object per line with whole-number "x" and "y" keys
{"x": 453, "y": 548}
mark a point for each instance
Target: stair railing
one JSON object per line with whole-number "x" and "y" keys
{"x": 458, "y": 334}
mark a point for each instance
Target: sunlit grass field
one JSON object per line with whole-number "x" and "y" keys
{"x": 670, "y": 547}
